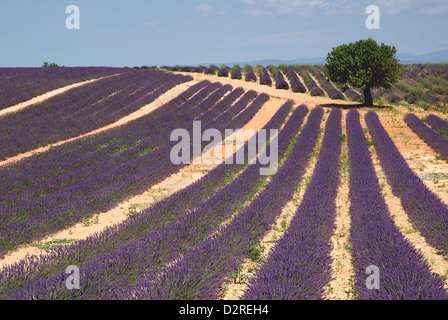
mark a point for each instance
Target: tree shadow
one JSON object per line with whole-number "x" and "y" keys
{"x": 353, "y": 106}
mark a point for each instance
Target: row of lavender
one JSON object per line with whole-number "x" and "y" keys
{"x": 186, "y": 259}
{"x": 425, "y": 83}
{"x": 377, "y": 244}
{"x": 422, "y": 85}
{"x": 300, "y": 265}
{"x": 378, "y": 247}
{"x": 434, "y": 138}
{"x": 96, "y": 176}
{"x": 272, "y": 74}
{"x": 143, "y": 244}
{"x": 326, "y": 85}
{"x": 82, "y": 110}
{"x": 95, "y": 148}
{"x": 21, "y": 84}
{"x": 203, "y": 270}
{"x": 425, "y": 209}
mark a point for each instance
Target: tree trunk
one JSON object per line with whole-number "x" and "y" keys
{"x": 368, "y": 100}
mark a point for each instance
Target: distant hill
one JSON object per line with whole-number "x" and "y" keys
{"x": 433, "y": 57}
{"x": 267, "y": 62}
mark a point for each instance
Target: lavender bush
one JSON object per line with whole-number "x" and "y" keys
{"x": 431, "y": 137}
{"x": 437, "y": 124}
{"x": 375, "y": 239}
{"x": 236, "y": 73}
{"x": 234, "y": 242}
{"x": 427, "y": 213}
{"x": 98, "y": 193}
{"x": 141, "y": 246}
{"x": 265, "y": 78}
{"x": 296, "y": 84}
{"x": 21, "y": 84}
{"x": 300, "y": 265}
{"x": 82, "y": 110}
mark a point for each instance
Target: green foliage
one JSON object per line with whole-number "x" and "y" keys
{"x": 247, "y": 68}
{"x": 273, "y": 70}
{"x": 53, "y": 244}
{"x": 443, "y": 133}
{"x": 414, "y": 88}
{"x": 436, "y": 83}
{"x": 364, "y": 65}
{"x": 48, "y": 65}
{"x": 255, "y": 252}
{"x": 283, "y": 67}
{"x": 305, "y": 76}
{"x": 259, "y": 69}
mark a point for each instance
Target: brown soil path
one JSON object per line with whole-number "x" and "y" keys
{"x": 342, "y": 268}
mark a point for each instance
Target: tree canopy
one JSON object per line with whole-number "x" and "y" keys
{"x": 48, "y": 65}
{"x": 364, "y": 65}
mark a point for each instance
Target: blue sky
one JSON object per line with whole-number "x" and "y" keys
{"x": 138, "y": 32}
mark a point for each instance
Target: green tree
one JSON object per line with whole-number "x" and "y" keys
{"x": 49, "y": 65}
{"x": 364, "y": 65}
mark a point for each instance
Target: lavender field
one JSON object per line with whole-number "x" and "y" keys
{"x": 356, "y": 209}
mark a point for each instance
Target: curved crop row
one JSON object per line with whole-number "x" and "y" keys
{"x": 211, "y": 70}
{"x": 296, "y": 84}
{"x": 280, "y": 82}
{"x": 143, "y": 223}
{"x": 236, "y": 73}
{"x": 250, "y": 74}
{"x": 299, "y": 267}
{"x": 223, "y": 72}
{"x": 159, "y": 245}
{"x": 265, "y": 78}
{"x": 377, "y": 243}
{"x": 390, "y": 97}
{"x": 327, "y": 86}
{"x": 312, "y": 86}
{"x": 103, "y": 191}
{"x": 438, "y": 124}
{"x": 353, "y": 95}
{"x": 21, "y": 84}
{"x": 82, "y": 110}
{"x": 427, "y": 212}
{"x": 107, "y": 157}
{"x": 431, "y": 137}
{"x": 203, "y": 269}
